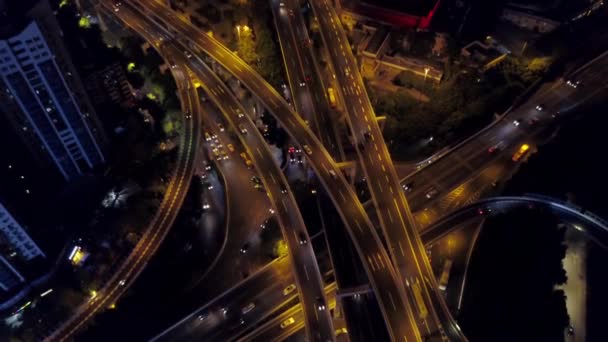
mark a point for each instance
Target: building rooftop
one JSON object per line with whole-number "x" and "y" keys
{"x": 413, "y": 7}
{"x": 377, "y": 39}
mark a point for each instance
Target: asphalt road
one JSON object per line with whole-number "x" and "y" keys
{"x": 157, "y": 228}
{"x": 305, "y": 80}
{"x": 376, "y": 260}
{"x": 395, "y": 217}
{"x": 319, "y": 323}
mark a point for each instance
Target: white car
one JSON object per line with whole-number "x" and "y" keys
{"x": 573, "y": 84}
{"x": 289, "y": 289}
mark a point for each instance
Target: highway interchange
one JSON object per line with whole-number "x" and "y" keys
{"x": 391, "y": 284}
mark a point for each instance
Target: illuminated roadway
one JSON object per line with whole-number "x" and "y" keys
{"x": 472, "y": 155}
{"x": 157, "y": 228}
{"x": 290, "y": 220}
{"x": 388, "y": 289}
{"x": 309, "y": 97}
{"x": 319, "y": 322}
{"x": 395, "y": 216}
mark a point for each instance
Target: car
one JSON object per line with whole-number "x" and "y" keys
{"x": 302, "y": 84}
{"x": 239, "y": 113}
{"x": 431, "y": 193}
{"x": 230, "y": 147}
{"x": 291, "y": 13}
{"x": 570, "y": 328}
{"x": 242, "y": 129}
{"x": 307, "y": 149}
{"x": 367, "y": 135}
{"x": 283, "y": 189}
{"x": 302, "y": 238}
{"x": 224, "y": 311}
{"x": 256, "y": 180}
{"x": 245, "y": 248}
{"x": 287, "y": 322}
{"x": 308, "y": 78}
{"x": 271, "y": 211}
{"x": 122, "y": 282}
{"x": 207, "y": 136}
{"x": 188, "y": 115}
{"x": 220, "y": 126}
{"x": 289, "y": 289}
{"x": 497, "y": 147}
{"x": 264, "y": 224}
{"x": 206, "y": 206}
{"x": 333, "y": 174}
{"x": 516, "y": 122}
{"x": 300, "y": 160}
{"x": 188, "y": 54}
{"x": 573, "y": 84}
{"x": 247, "y": 308}
{"x": 320, "y": 302}
{"x": 201, "y": 317}
{"x": 540, "y": 107}
{"x": 281, "y": 4}
{"x": 408, "y": 186}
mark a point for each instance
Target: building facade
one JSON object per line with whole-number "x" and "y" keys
{"x": 44, "y": 98}
{"x": 16, "y": 243}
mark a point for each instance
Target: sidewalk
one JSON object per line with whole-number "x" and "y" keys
{"x": 575, "y": 289}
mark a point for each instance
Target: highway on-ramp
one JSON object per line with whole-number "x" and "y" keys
{"x": 157, "y": 228}
{"x": 388, "y": 289}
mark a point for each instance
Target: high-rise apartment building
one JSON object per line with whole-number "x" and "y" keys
{"x": 15, "y": 243}
{"x": 42, "y": 95}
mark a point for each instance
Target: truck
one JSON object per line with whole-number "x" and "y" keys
{"x": 523, "y": 150}
{"x": 422, "y": 309}
{"x": 445, "y": 275}
{"x": 332, "y": 97}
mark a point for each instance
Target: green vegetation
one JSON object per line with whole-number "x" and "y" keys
{"x": 458, "y": 106}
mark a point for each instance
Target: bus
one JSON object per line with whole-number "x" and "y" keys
{"x": 422, "y": 310}
{"x": 521, "y": 152}
{"x": 332, "y": 96}
{"x": 445, "y": 275}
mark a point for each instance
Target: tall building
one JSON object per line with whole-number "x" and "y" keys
{"x": 42, "y": 95}
{"x": 15, "y": 243}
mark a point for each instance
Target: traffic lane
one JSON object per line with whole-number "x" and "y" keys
{"x": 297, "y": 69}
{"x": 289, "y": 216}
{"x": 241, "y": 314}
{"x": 279, "y": 107}
{"x": 247, "y": 210}
{"x": 411, "y": 262}
{"x": 280, "y": 328}
{"x": 275, "y": 274}
{"x": 475, "y": 153}
{"x": 136, "y": 260}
